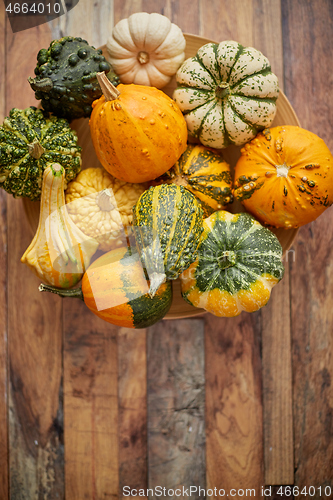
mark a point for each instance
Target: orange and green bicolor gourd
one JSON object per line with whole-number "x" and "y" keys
{"x": 115, "y": 289}
{"x": 238, "y": 263}
{"x": 205, "y": 173}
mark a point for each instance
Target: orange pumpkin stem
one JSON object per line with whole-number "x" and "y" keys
{"x": 110, "y": 92}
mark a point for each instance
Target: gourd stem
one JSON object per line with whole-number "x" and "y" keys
{"x": 110, "y": 92}
{"x": 143, "y": 57}
{"x": 35, "y": 149}
{"x": 222, "y": 90}
{"x": 227, "y": 259}
{"x": 45, "y": 84}
{"x": 156, "y": 280}
{"x": 103, "y": 200}
{"x": 57, "y": 169}
{"x": 75, "y": 292}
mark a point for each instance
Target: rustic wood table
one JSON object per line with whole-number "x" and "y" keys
{"x": 88, "y": 409}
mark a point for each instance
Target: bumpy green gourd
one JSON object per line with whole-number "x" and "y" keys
{"x": 29, "y": 142}
{"x": 167, "y": 223}
{"x": 66, "y": 77}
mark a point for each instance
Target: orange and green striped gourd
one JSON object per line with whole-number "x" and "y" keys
{"x": 167, "y": 222}
{"x": 115, "y": 289}
{"x": 238, "y": 263}
{"x": 205, "y": 174}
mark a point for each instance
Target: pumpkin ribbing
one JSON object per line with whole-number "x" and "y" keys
{"x": 227, "y": 93}
{"x": 205, "y": 174}
{"x": 29, "y": 142}
{"x": 238, "y": 263}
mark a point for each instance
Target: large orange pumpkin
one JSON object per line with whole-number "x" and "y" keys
{"x": 284, "y": 176}
{"x": 138, "y": 132}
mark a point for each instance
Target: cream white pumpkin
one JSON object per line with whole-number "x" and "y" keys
{"x": 227, "y": 93}
{"x": 146, "y": 49}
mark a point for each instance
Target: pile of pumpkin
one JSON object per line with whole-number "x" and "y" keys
{"x": 156, "y": 209}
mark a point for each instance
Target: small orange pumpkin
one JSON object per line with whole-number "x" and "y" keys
{"x": 138, "y": 132}
{"x": 284, "y": 176}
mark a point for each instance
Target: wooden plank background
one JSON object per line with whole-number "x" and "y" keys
{"x": 86, "y": 408}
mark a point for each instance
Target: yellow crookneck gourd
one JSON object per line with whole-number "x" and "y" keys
{"x": 59, "y": 252}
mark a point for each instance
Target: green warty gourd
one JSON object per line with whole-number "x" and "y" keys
{"x": 29, "y": 142}
{"x": 65, "y": 78}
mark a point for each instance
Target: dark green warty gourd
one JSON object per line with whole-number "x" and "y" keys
{"x": 29, "y": 142}
{"x": 66, "y": 79}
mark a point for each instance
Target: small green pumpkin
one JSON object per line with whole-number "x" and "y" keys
{"x": 205, "y": 174}
{"x": 66, "y": 79}
{"x": 29, "y": 142}
{"x": 167, "y": 223}
{"x": 238, "y": 263}
{"x": 227, "y": 93}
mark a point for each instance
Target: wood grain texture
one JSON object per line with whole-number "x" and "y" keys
{"x": 234, "y": 452}
{"x": 276, "y": 332}
{"x": 90, "y": 404}
{"x": 90, "y": 345}
{"x": 4, "y": 492}
{"x": 312, "y": 272}
{"x": 176, "y": 398}
{"x": 251, "y": 23}
{"x": 92, "y": 21}
{"x": 277, "y": 386}
{"x": 104, "y": 445}
{"x": 34, "y": 327}
{"x": 162, "y": 441}
{"x": 132, "y": 401}
{"x": 185, "y": 13}
{"x": 258, "y": 25}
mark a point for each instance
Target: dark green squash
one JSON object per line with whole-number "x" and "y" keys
{"x": 29, "y": 142}
{"x": 238, "y": 263}
{"x": 66, "y": 77}
{"x": 167, "y": 223}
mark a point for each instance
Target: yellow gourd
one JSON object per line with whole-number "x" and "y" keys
{"x": 59, "y": 252}
{"x": 101, "y": 206}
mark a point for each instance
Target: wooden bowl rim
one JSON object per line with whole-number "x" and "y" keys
{"x": 191, "y": 311}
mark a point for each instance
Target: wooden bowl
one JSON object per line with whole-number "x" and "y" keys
{"x": 285, "y": 116}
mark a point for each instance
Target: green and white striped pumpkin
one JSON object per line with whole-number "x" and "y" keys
{"x": 167, "y": 223}
{"x": 227, "y": 93}
{"x": 238, "y": 263}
